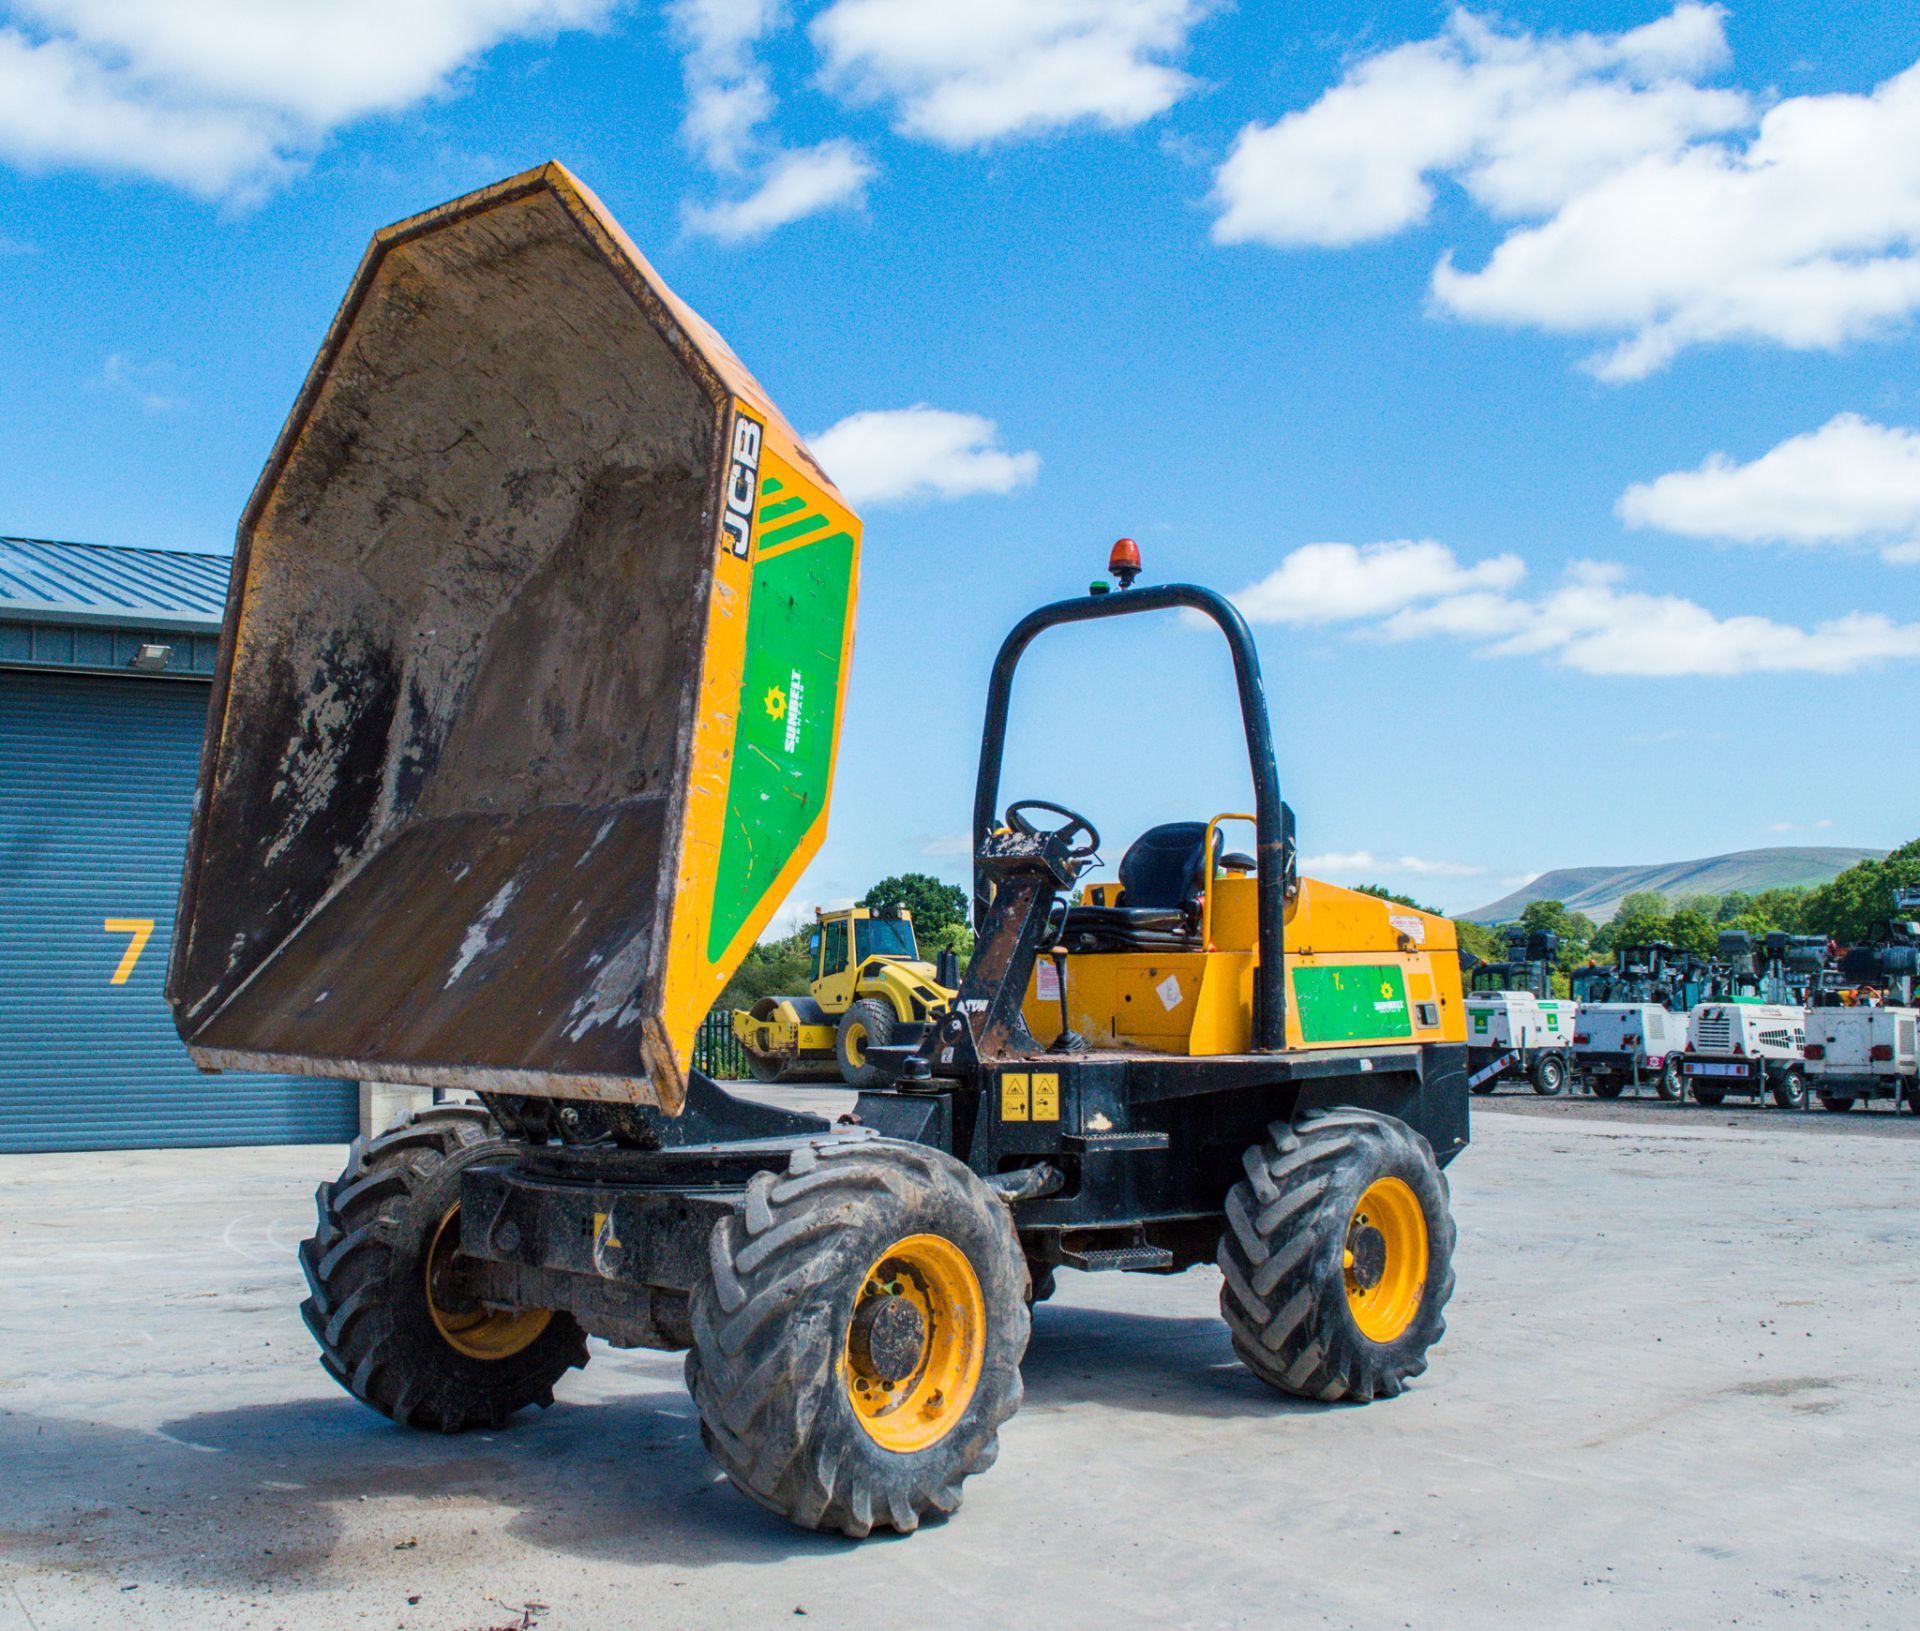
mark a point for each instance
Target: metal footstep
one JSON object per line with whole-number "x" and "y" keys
{"x": 1113, "y": 1259}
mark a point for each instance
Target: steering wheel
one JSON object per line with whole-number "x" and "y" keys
{"x": 1074, "y": 823}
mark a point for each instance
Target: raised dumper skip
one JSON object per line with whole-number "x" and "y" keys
{"x": 496, "y": 795}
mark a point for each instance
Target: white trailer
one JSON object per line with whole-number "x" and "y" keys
{"x": 1863, "y": 1053}
{"x": 1617, "y": 1044}
{"x": 1516, "y": 1034}
{"x": 1747, "y": 1048}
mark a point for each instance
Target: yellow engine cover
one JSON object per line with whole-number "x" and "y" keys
{"x": 1361, "y": 972}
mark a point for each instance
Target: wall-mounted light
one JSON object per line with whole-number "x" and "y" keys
{"x": 150, "y": 658}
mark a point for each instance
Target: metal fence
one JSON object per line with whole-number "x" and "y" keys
{"x": 716, "y": 1050}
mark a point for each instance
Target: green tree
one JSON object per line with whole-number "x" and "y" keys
{"x": 1642, "y": 916}
{"x": 936, "y": 906}
{"x": 1477, "y": 940}
{"x": 1575, "y": 930}
{"x": 1382, "y": 892}
{"x": 1692, "y": 929}
{"x": 774, "y": 968}
{"x": 1846, "y": 906}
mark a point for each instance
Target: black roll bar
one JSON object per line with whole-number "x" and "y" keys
{"x": 1270, "y": 981}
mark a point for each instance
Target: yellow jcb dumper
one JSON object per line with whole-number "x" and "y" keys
{"x": 491, "y": 799}
{"x": 869, "y": 986}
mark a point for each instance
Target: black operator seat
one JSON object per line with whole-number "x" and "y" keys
{"x": 1162, "y": 877}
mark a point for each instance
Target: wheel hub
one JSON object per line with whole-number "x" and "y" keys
{"x": 1367, "y": 1255}
{"x": 889, "y": 1335}
{"x": 1385, "y": 1260}
{"x": 915, "y": 1343}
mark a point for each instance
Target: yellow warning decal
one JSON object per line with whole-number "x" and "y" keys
{"x": 1013, "y": 1096}
{"x": 1046, "y": 1097}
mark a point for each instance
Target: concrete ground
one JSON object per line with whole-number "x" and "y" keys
{"x": 1678, "y": 1389}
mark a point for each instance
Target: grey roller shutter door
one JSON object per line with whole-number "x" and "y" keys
{"x": 96, "y": 785}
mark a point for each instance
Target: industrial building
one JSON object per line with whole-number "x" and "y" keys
{"x": 106, "y": 665}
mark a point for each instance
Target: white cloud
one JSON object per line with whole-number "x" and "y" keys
{"x": 887, "y": 456}
{"x": 1594, "y": 626}
{"x": 830, "y": 175}
{"x": 1364, "y": 863}
{"x": 1590, "y": 622}
{"x": 948, "y": 846}
{"x": 124, "y": 376}
{"x": 729, "y": 99}
{"x": 1655, "y": 216}
{"x": 1328, "y": 583}
{"x": 1523, "y": 122}
{"x": 1847, "y": 482}
{"x": 728, "y": 95}
{"x": 224, "y": 97}
{"x": 966, "y": 74}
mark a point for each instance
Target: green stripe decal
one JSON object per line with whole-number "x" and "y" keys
{"x": 783, "y": 743}
{"x": 780, "y": 507}
{"x": 770, "y": 485}
{"x": 797, "y": 529}
{"x": 1350, "y": 1002}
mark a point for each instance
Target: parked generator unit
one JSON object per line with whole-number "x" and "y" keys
{"x": 1630, "y": 1025}
{"x": 1745, "y": 1049}
{"x": 1515, "y": 1030}
{"x": 1866, "y": 1049}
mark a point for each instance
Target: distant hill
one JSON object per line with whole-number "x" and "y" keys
{"x": 1598, "y": 890}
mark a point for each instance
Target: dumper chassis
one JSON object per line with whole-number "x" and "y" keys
{"x": 524, "y": 723}
{"x": 810, "y": 1266}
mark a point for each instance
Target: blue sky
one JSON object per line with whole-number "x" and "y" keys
{"x": 1543, "y": 380}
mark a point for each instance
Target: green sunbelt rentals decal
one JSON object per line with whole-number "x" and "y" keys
{"x": 1349, "y": 1002}
{"x": 789, "y": 692}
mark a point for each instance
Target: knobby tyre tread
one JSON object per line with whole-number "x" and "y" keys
{"x": 365, "y": 1266}
{"x": 1284, "y": 1299}
{"x": 770, "y": 1323}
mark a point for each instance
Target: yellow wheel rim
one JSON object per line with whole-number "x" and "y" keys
{"x": 914, "y": 1344}
{"x": 477, "y": 1332}
{"x": 856, "y": 1044}
{"x": 1386, "y": 1259}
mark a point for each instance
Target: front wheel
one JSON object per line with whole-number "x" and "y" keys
{"x": 857, "y": 1342}
{"x": 1835, "y": 1101}
{"x": 396, "y": 1328}
{"x": 1790, "y": 1090}
{"x": 1608, "y": 1087}
{"x": 1549, "y": 1075}
{"x": 1338, "y": 1256}
{"x": 867, "y": 1024}
{"x": 1671, "y": 1086}
{"x": 1709, "y": 1096}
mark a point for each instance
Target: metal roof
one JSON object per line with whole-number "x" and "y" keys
{"x": 43, "y": 581}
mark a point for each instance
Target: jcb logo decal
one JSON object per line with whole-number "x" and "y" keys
{"x": 743, "y": 483}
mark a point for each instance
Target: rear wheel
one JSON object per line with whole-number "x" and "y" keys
{"x": 395, "y": 1327}
{"x": 857, "y": 1344}
{"x": 1709, "y": 1096}
{"x": 1835, "y": 1101}
{"x": 1671, "y": 1086}
{"x": 1608, "y": 1087}
{"x": 1338, "y": 1256}
{"x": 867, "y": 1024}
{"x": 1790, "y": 1090}
{"x": 1549, "y": 1075}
